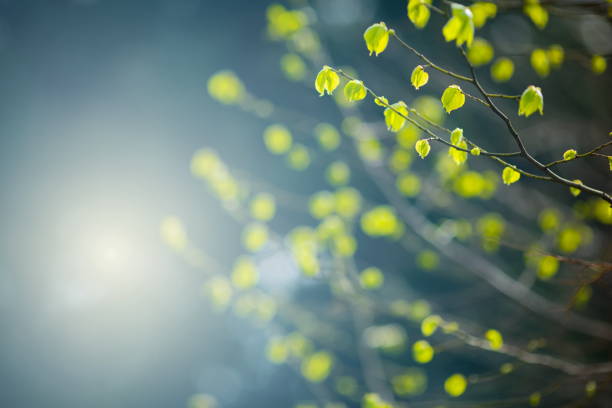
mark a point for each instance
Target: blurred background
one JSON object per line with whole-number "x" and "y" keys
{"x": 103, "y": 104}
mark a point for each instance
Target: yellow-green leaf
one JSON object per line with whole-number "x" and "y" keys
{"x": 556, "y": 55}
{"x": 422, "y": 147}
{"x": 547, "y": 267}
{"x": 480, "y": 52}
{"x": 531, "y": 101}
{"x": 381, "y": 101}
{"x": 576, "y": 191}
{"x": 422, "y": 352}
{"x": 430, "y": 324}
{"x": 482, "y": 11}
{"x": 419, "y": 77}
{"x": 277, "y": 139}
{"x": 317, "y": 366}
{"x": 328, "y": 136}
{"x": 534, "y": 399}
{"x": 452, "y": 98}
{"x": 475, "y": 151}
{"x": 327, "y": 81}
{"x": 263, "y": 207}
{"x": 456, "y": 136}
{"x": 395, "y": 116}
{"x": 418, "y": 12}
{"x": 354, "y": 90}
{"x": 496, "y": 341}
{"x": 509, "y": 176}
{"x": 458, "y": 156}
{"x": 455, "y": 385}
{"x": 598, "y": 64}
{"x": 371, "y": 278}
{"x": 376, "y": 38}
{"x": 502, "y": 69}
{"x": 539, "y": 62}
{"x": 338, "y": 173}
{"x": 536, "y": 13}
{"x": 569, "y": 154}
{"x": 460, "y": 27}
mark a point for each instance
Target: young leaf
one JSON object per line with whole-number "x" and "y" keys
{"x": 452, "y": 98}
{"x": 569, "y": 154}
{"x": 576, "y": 191}
{"x": 556, "y": 55}
{"x": 531, "y": 101}
{"x": 458, "y": 156}
{"x": 610, "y": 162}
{"x": 327, "y": 81}
{"x": 475, "y": 151}
{"x": 480, "y": 53}
{"x": 419, "y": 77}
{"x": 418, "y": 12}
{"x": 455, "y": 385}
{"x": 381, "y": 101}
{"x": 598, "y": 64}
{"x": 354, "y": 90}
{"x": 482, "y": 11}
{"x": 509, "y": 176}
{"x": 422, "y": 352}
{"x": 422, "y": 147}
{"x": 495, "y": 339}
{"x": 460, "y": 27}
{"x": 539, "y": 62}
{"x": 536, "y": 13}
{"x": 502, "y": 70}
{"x": 376, "y": 38}
{"x": 393, "y": 119}
{"x": 456, "y": 136}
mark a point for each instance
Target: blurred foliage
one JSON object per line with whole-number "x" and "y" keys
{"x": 406, "y": 263}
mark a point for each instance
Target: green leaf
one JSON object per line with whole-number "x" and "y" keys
{"x": 610, "y": 162}
{"x": 422, "y": 352}
{"x": 569, "y": 154}
{"x": 452, "y": 98}
{"x": 354, "y": 90}
{"x": 418, "y": 12}
{"x": 534, "y": 399}
{"x": 419, "y": 77}
{"x": 576, "y": 191}
{"x": 430, "y": 324}
{"x": 422, "y": 147}
{"x": 371, "y": 278}
{"x": 482, "y": 11}
{"x": 456, "y": 136}
{"x": 502, "y": 69}
{"x": 395, "y": 116}
{"x": 381, "y": 101}
{"x": 480, "y": 52}
{"x": 496, "y": 341}
{"x": 376, "y": 38}
{"x": 455, "y": 385}
{"x": 460, "y": 27}
{"x": 328, "y": 136}
{"x": 509, "y": 176}
{"x": 539, "y": 62}
{"x": 536, "y": 13}
{"x": 278, "y": 139}
{"x": 556, "y": 55}
{"x": 327, "y": 81}
{"x": 531, "y": 101}
{"x": 458, "y": 156}
{"x": 317, "y": 366}
{"x": 598, "y": 64}
{"x": 475, "y": 151}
